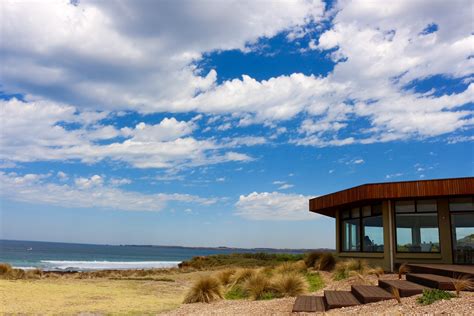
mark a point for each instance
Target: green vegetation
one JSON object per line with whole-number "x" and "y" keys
{"x": 433, "y": 295}
{"x": 315, "y": 281}
{"x": 240, "y": 260}
{"x": 235, "y": 293}
{"x": 205, "y": 290}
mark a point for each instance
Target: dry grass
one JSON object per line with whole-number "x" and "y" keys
{"x": 225, "y": 276}
{"x": 5, "y": 269}
{"x": 67, "y": 296}
{"x": 462, "y": 283}
{"x": 327, "y": 262}
{"x": 242, "y": 275}
{"x": 311, "y": 259}
{"x": 257, "y": 286}
{"x": 377, "y": 271}
{"x": 205, "y": 290}
{"x": 396, "y": 294}
{"x": 290, "y": 284}
{"x": 403, "y": 269}
{"x": 290, "y": 267}
{"x": 358, "y": 265}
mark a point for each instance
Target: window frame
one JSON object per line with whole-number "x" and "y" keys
{"x": 416, "y": 213}
{"x": 451, "y": 213}
{"x": 361, "y": 226}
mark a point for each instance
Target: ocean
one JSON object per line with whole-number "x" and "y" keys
{"x": 88, "y": 257}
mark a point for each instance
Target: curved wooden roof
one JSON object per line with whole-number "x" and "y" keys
{"x": 327, "y": 204}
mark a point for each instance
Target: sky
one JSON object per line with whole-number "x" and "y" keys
{"x": 211, "y": 123}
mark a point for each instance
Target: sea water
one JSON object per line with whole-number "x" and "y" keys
{"x": 88, "y": 257}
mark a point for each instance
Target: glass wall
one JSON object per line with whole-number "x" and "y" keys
{"x": 362, "y": 229}
{"x": 417, "y": 226}
{"x": 462, "y": 222}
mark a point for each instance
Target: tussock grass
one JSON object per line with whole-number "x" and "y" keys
{"x": 290, "y": 267}
{"x": 403, "y": 269}
{"x": 327, "y": 262}
{"x": 311, "y": 259}
{"x": 462, "y": 283}
{"x": 396, "y": 294}
{"x": 358, "y": 265}
{"x": 235, "y": 293}
{"x": 225, "y": 276}
{"x": 205, "y": 290}
{"x": 340, "y": 271}
{"x": 242, "y": 275}
{"x": 290, "y": 284}
{"x": 257, "y": 285}
{"x": 5, "y": 269}
{"x": 378, "y": 271}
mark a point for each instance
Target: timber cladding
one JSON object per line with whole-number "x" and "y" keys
{"x": 326, "y": 204}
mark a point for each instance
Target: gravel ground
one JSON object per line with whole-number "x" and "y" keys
{"x": 456, "y": 306}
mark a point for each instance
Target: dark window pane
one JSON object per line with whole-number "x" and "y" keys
{"x": 405, "y": 206}
{"x": 377, "y": 209}
{"x": 426, "y": 206}
{"x": 351, "y": 235}
{"x": 373, "y": 234}
{"x": 345, "y": 214}
{"x": 366, "y": 211}
{"x": 355, "y": 212}
{"x": 463, "y": 237}
{"x": 461, "y": 204}
{"x": 417, "y": 233}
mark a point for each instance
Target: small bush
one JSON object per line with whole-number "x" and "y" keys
{"x": 312, "y": 258}
{"x": 340, "y": 271}
{"x": 242, "y": 275}
{"x": 5, "y": 269}
{"x": 327, "y": 262}
{"x": 315, "y": 281}
{"x": 225, "y": 276}
{"x": 358, "y": 265}
{"x": 433, "y": 295}
{"x": 290, "y": 285}
{"x": 257, "y": 286}
{"x": 205, "y": 290}
{"x": 236, "y": 293}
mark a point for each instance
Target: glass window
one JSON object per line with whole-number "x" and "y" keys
{"x": 345, "y": 214}
{"x": 461, "y": 204}
{"x": 373, "y": 234}
{"x": 463, "y": 237}
{"x": 355, "y": 212}
{"x": 377, "y": 209}
{"x": 426, "y": 206}
{"x": 366, "y": 210}
{"x": 351, "y": 235}
{"x": 405, "y": 206}
{"x": 417, "y": 232}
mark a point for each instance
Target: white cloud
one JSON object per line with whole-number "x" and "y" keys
{"x": 358, "y": 161}
{"x": 87, "y": 193}
{"x": 393, "y": 175}
{"x": 36, "y": 131}
{"x": 285, "y": 186}
{"x": 274, "y": 206}
{"x": 131, "y": 54}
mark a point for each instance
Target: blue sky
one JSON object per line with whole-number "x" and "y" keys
{"x": 212, "y": 123}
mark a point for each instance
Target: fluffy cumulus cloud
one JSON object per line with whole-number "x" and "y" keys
{"x": 131, "y": 54}
{"x": 87, "y": 192}
{"x": 274, "y": 206}
{"x": 39, "y": 131}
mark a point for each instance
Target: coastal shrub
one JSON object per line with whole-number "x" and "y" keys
{"x": 312, "y": 258}
{"x": 34, "y": 274}
{"x": 292, "y": 284}
{"x": 358, "y": 265}
{"x": 225, "y": 276}
{"x": 315, "y": 282}
{"x": 205, "y": 290}
{"x": 235, "y": 293}
{"x": 432, "y": 295}
{"x": 257, "y": 286}
{"x": 340, "y": 271}
{"x": 5, "y": 269}
{"x": 327, "y": 262}
{"x": 239, "y": 260}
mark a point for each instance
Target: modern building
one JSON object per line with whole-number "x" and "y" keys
{"x": 427, "y": 221}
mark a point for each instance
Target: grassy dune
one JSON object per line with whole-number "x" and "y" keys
{"x": 70, "y": 296}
